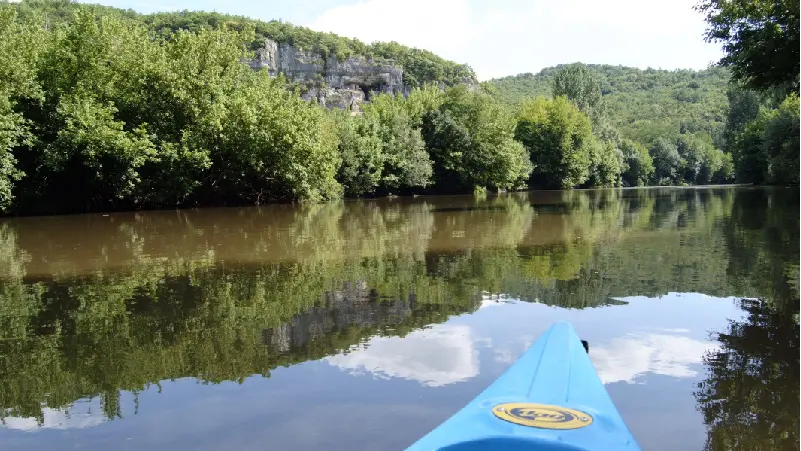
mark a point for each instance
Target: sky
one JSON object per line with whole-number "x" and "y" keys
{"x": 499, "y": 37}
{"x": 439, "y": 355}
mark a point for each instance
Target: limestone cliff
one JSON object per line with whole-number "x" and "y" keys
{"x": 332, "y": 83}
{"x": 353, "y": 306}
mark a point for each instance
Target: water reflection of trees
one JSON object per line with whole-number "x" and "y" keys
{"x": 763, "y": 244}
{"x": 749, "y": 399}
{"x": 150, "y": 297}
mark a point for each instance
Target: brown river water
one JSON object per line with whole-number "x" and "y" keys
{"x": 362, "y": 325}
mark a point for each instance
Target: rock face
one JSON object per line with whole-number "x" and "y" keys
{"x": 330, "y": 82}
{"x": 354, "y": 305}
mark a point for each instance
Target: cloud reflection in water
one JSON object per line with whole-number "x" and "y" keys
{"x": 626, "y": 358}
{"x": 78, "y": 416}
{"x": 440, "y": 355}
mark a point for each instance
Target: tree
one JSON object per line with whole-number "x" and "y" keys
{"x": 766, "y": 151}
{"x": 421, "y": 101}
{"x": 128, "y": 121}
{"x": 89, "y": 152}
{"x": 557, "y": 136}
{"x": 12, "y": 133}
{"x": 641, "y": 105}
{"x": 272, "y": 145}
{"x": 781, "y": 143}
{"x": 471, "y": 140}
{"x": 726, "y": 173}
{"x": 716, "y": 167}
{"x": 580, "y": 86}
{"x": 744, "y": 106}
{"x": 750, "y": 161}
{"x": 21, "y": 45}
{"x": 701, "y": 159}
{"x": 691, "y": 150}
{"x": 406, "y": 162}
{"x": 606, "y": 162}
{"x": 760, "y": 39}
{"x": 637, "y": 163}
{"x": 361, "y": 150}
{"x": 667, "y": 162}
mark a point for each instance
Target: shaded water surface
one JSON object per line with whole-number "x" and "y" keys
{"x": 363, "y": 325}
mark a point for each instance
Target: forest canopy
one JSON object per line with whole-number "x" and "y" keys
{"x": 761, "y": 43}
{"x": 642, "y": 104}
{"x": 106, "y": 109}
{"x": 420, "y": 66}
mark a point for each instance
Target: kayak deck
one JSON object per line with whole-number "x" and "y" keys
{"x": 550, "y": 399}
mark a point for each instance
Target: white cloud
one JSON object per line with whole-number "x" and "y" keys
{"x": 624, "y": 359}
{"x": 78, "y": 416}
{"x": 493, "y": 300}
{"x": 440, "y": 355}
{"x": 513, "y": 351}
{"x": 677, "y": 331}
{"x": 505, "y": 356}
{"x": 506, "y": 37}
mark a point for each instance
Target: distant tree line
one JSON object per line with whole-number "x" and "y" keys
{"x": 761, "y": 43}
{"x": 738, "y": 118}
{"x": 104, "y": 109}
{"x": 420, "y": 66}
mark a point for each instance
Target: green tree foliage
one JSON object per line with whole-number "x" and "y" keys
{"x": 727, "y": 173}
{"x": 606, "y": 164}
{"x": 558, "y": 138}
{"x": 406, "y": 161}
{"x": 702, "y": 162}
{"x": 668, "y": 163}
{"x": 780, "y": 142}
{"x": 471, "y": 141}
{"x": 21, "y": 46}
{"x": 275, "y": 146}
{"x": 761, "y": 42}
{"x": 420, "y": 66}
{"x": 760, "y": 39}
{"x": 125, "y": 121}
{"x": 382, "y": 150}
{"x": 105, "y": 109}
{"x": 637, "y": 163}
{"x": 423, "y": 100}
{"x": 12, "y": 132}
{"x": 54, "y": 13}
{"x": 766, "y": 150}
{"x": 750, "y": 160}
{"x": 657, "y": 109}
{"x": 581, "y": 86}
{"x": 89, "y": 152}
{"x": 362, "y": 153}
{"x": 744, "y": 107}
{"x": 642, "y": 105}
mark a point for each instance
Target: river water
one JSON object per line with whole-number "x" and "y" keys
{"x": 364, "y": 324}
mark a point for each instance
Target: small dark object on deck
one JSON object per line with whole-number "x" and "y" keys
{"x": 586, "y": 345}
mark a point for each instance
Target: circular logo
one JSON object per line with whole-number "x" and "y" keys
{"x": 542, "y": 415}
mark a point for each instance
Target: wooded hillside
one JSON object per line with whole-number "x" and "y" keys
{"x": 642, "y": 104}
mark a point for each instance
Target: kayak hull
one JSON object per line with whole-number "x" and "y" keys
{"x": 550, "y": 399}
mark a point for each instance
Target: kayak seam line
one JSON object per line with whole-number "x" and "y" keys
{"x": 539, "y": 362}
{"x": 570, "y": 352}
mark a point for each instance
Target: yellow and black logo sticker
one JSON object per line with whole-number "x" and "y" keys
{"x": 542, "y": 415}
